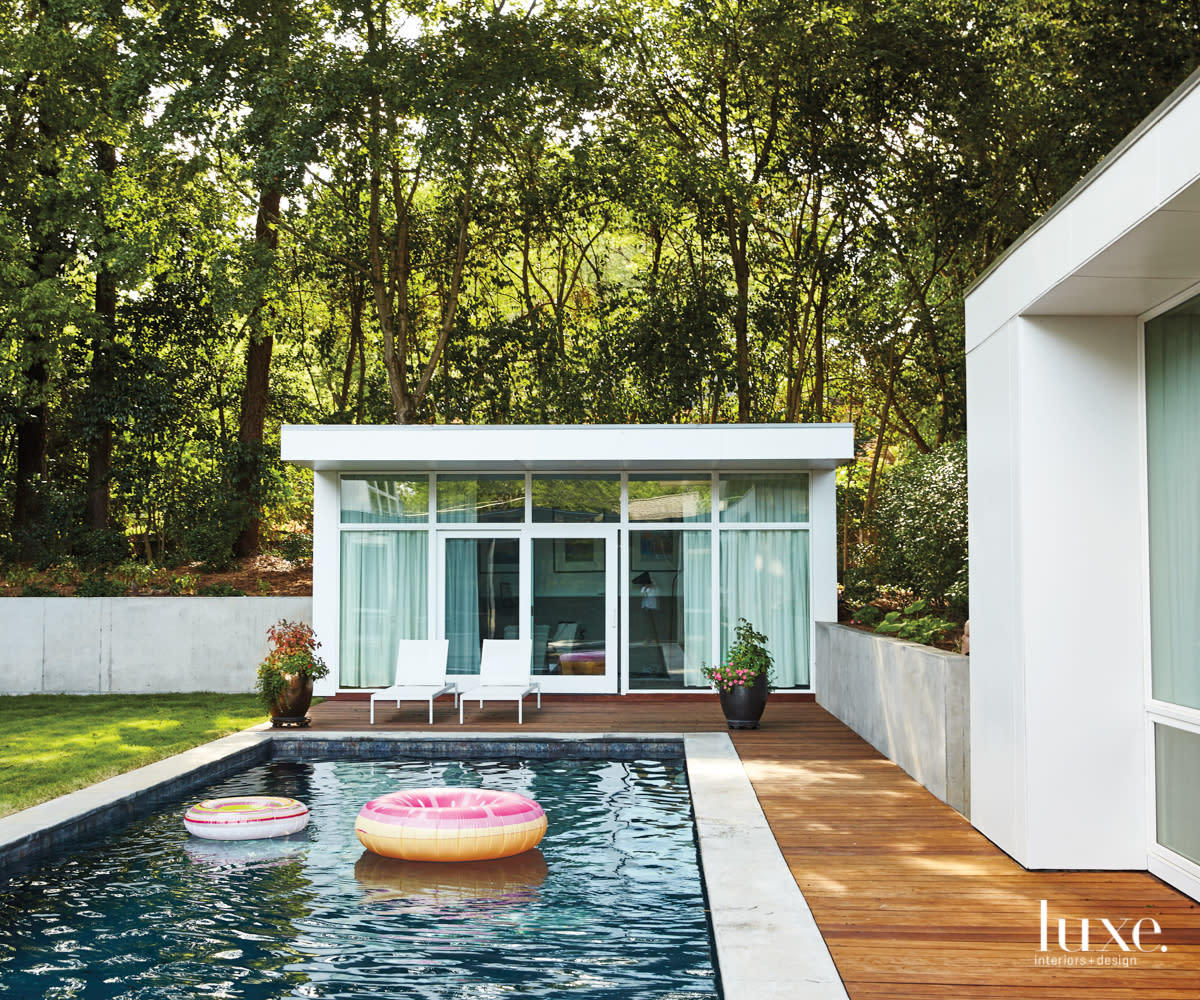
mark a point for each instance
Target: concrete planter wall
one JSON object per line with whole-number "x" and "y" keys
{"x": 910, "y": 702}
{"x": 137, "y": 645}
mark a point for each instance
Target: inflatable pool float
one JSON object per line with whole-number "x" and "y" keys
{"x": 450, "y": 824}
{"x": 249, "y": 817}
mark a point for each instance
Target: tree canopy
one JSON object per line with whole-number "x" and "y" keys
{"x": 218, "y": 216}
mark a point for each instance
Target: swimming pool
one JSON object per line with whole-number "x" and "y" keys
{"x": 609, "y": 905}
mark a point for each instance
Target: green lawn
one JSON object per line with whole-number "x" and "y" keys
{"x": 53, "y": 744}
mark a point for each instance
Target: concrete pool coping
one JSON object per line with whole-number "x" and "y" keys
{"x": 767, "y": 942}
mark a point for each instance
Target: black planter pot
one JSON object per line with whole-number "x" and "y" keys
{"x": 743, "y": 706}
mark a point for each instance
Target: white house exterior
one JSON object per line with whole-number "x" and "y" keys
{"x": 1083, "y": 377}
{"x": 626, "y": 553}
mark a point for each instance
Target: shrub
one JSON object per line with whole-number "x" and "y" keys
{"x": 220, "y": 590}
{"x": 98, "y": 585}
{"x": 913, "y": 624}
{"x": 37, "y": 590}
{"x": 921, "y": 526}
{"x": 102, "y": 548}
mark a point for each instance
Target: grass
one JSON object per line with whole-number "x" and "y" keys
{"x": 51, "y": 744}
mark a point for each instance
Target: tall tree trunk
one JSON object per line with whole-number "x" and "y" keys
{"x": 256, "y": 393}
{"x": 100, "y": 445}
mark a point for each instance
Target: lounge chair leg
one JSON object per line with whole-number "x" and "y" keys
{"x": 520, "y": 706}
{"x": 372, "y": 711}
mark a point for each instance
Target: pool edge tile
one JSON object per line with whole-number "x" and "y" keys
{"x": 767, "y": 942}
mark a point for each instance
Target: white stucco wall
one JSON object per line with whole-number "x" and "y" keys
{"x": 137, "y": 645}
{"x": 1057, "y": 570}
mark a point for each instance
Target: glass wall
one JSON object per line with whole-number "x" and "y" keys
{"x": 698, "y": 551}
{"x": 669, "y": 608}
{"x": 384, "y": 598}
{"x": 764, "y": 579}
{"x": 1177, "y": 812}
{"x": 1172, "y": 447}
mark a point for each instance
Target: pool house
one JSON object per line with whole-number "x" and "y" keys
{"x": 626, "y": 554}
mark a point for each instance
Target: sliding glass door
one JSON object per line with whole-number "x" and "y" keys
{"x": 481, "y": 595}
{"x": 552, "y": 585}
{"x": 573, "y": 621}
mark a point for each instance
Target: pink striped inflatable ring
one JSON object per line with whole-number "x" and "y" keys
{"x": 250, "y": 817}
{"x": 450, "y": 824}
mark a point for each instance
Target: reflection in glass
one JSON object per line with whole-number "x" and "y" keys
{"x": 462, "y": 499}
{"x": 384, "y": 599}
{"x": 670, "y": 498}
{"x": 482, "y": 591}
{"x": 371, "y": 499}
{"x": 764, "y": 497}
{"x": 669, "y": 608}
{"x": 576, "y": 498}
{"x": 569, "y": 607}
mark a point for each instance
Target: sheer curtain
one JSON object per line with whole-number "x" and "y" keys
{"x": 1172, "y": 447}
{"x": 696, "y": 611}
{"x": 384, "y": 599}
{"x": 765, "y": 497}
{"x": 462, "y": 605}
{"x": 764, "y": 579}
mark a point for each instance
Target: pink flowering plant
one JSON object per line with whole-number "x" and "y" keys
{"x": 746, "y": 661}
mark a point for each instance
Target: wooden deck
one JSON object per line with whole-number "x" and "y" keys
{"x": 913, "y": 902}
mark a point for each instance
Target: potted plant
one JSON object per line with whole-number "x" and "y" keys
{"x": 744, "y": 679}
{"x": 285, "y": 677}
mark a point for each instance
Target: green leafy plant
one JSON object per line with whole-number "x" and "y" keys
{"x": 746, "y": 661}
{"x": 98, "y": 585}
{"x": 264, "y": 587}
{"x": 293, "y": 653}
{"x": 868, "y": 614}
{"x": 37, "y": 590}
{"x": 220, "y": 590}
{"x": 914, "y": 625}
{"x": 186, "y": 583}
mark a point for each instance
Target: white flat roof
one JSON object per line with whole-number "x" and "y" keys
{"x": 1123, "y": 241}
{"x": 576, "y": 447}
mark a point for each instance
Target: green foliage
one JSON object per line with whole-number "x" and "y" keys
{"x": 746, "y": 661}
{"x": 37, "y": 590}
{"x": 293, "y": 653}
{"x": 914, "y": 624}
{"x": 626, "y": 212}
{"x": 220, "y": 590}
{"x": 98, "y": 585}
{"x": 98, "y": 549}
{"x": 921, "y": 525}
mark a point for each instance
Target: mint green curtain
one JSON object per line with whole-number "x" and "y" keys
{"x": 384, "y": 599}
{"x": 462, "y": 605}
{"x": 764, "y": 579}
{"x": 695, "y": 610}
{"x": 1173, "y": 465}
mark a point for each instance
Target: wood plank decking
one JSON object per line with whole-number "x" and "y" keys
{"x": 913, "y": 902}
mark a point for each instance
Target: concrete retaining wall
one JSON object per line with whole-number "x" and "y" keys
{"x": 137, "y": 645}
{"x": 910, "y": 702}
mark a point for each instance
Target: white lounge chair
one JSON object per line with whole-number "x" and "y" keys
{"x": 420, "y": 674}
{"x": 503, "y": 674}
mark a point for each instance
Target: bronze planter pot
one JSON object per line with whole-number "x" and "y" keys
{"x": 291, "y": 707}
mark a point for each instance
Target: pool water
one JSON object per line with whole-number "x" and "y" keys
{"x": 609, "y": 905}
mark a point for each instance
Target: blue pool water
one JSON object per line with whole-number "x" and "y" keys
{"x": 609, "y": 905}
